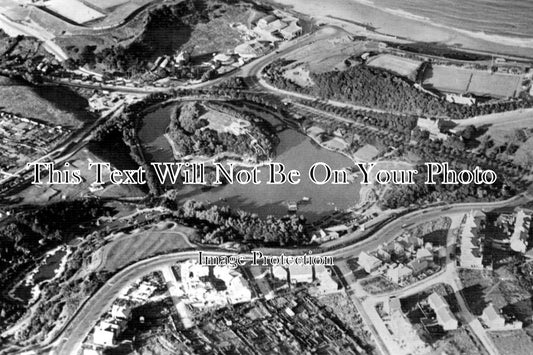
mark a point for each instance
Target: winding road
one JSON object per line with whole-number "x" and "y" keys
{"x": 70, "y": 340}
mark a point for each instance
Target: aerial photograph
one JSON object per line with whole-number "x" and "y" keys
{"x": 257, "y": 177}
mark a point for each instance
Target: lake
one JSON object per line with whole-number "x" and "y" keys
{"x": 295, "y": 151}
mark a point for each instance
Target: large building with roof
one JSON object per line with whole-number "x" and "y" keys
{"x": 445, "y": 317}
{"x": 368, "y": 262}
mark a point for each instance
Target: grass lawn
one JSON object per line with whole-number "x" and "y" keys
{"x": 161, "y": 238}
{"x": 54, "y": 105}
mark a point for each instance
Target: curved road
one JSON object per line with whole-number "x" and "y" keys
{"x": 77, "y": 329}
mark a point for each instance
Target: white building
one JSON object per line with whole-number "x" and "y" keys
{"x": 368, "y": 262}
{"x": 444, "y": 315}
{"x": 399, "y": 273}
{"x": 519, "y": 238}
{"x": 120, "y": 311}
{"x": 492, "y": 318}
{"x": 279, "y": 272}
{"x": 105, "y": 333}
{"x": 291, "y": 31}
{"x": 424, "y": 254}
{"x": 326, "y": 283}
{"x": 301, "y": 273}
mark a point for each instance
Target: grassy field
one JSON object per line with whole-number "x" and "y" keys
{"x": 434, "y": 231}
{"x": 217, "y": 35}
{"x": 366, "y": 153}
{"x": 458, "y": 80}
{"x": 162, "y": 238}
{"x": 54, "y": 105}
{"x": 401, "y": 66}
{"x": 514, "y": 342}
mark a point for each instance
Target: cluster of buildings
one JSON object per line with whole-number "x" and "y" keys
{"x": 22, "y": 139}
{"x": 203, "y": 287}
{"x": 401, "y": 259}
{"x": 114, "y": 322}
{"x": 278, "y": 26}
{"x": 290, "y": 324}
{"x": 319, "y": 275}
{"x": 178, "y": 60}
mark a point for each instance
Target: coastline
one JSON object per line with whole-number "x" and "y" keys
{"x": 400, "y": 25}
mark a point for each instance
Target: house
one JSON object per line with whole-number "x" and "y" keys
{"x": 392, "y": 306}
{"x": 326, "y": 283}
{"x": 301, "y": 273}
{"x": 105, "y": 333}
{"x": 291, "y": 31}
{"x": 492, "y": 318}
{"x": 418, "y": 266}
{"x": 423, "y": 254}
{"x": 444, "y": 315}
{"x": 120, "y": 311}
{"x": 251, "y": 49}
{"x": 416, "y": 241}
{"x": 461, "y": 100}
{"x": 265, "y": 21}
{"x": 521, "y": 231}
{"x": 279, "y": 272}
{"x": 368, "y": 262}
{"x": 399, "y": 273}
{"x": 383, "y": 255}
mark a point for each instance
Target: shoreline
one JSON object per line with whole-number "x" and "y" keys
{"x": 368, "y": 20}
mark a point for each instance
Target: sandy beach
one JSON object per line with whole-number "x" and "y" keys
{"x": 345, "y": 13}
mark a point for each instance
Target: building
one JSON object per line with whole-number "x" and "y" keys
{"x": 519, "y": 238}
{"x": 399, "y": 273}
{"x": 250, "y": 50}
{"x": 202, "y": 292}
{"x": 326, "y": 283}
{"x": 120, "y": 311}
{"x": 265, "y": 21}
{"x": 423, "y": 254}
{"x": 368, "y": 262}
{"x": 291, "y": 31}
{"x": 418, "y": 266}
{"x": 461, "y": 100}
{"x": 105, "y": 333}
{"x": 492, "y": 318}
{"x": 444, "y": 315}
{"x": 392, "y": 306}
{"x": 279, "y": 272}
{"x": 301, "y": 273}
{"x": 471, "y": 242}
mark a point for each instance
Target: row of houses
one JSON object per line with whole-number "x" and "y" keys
{"x": 402, "y": 258}
{"x": 471, "y": 240}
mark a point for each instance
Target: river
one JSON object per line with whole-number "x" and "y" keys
{"x": 295, "y": 151}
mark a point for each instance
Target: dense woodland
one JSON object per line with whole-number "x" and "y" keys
{"x": 220, "y": 224}
{"x": 192, "y": 137}
{"x": 32, "y": 231}
{"x": 162, "y": 26}
{"x": 383, "y": 90}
